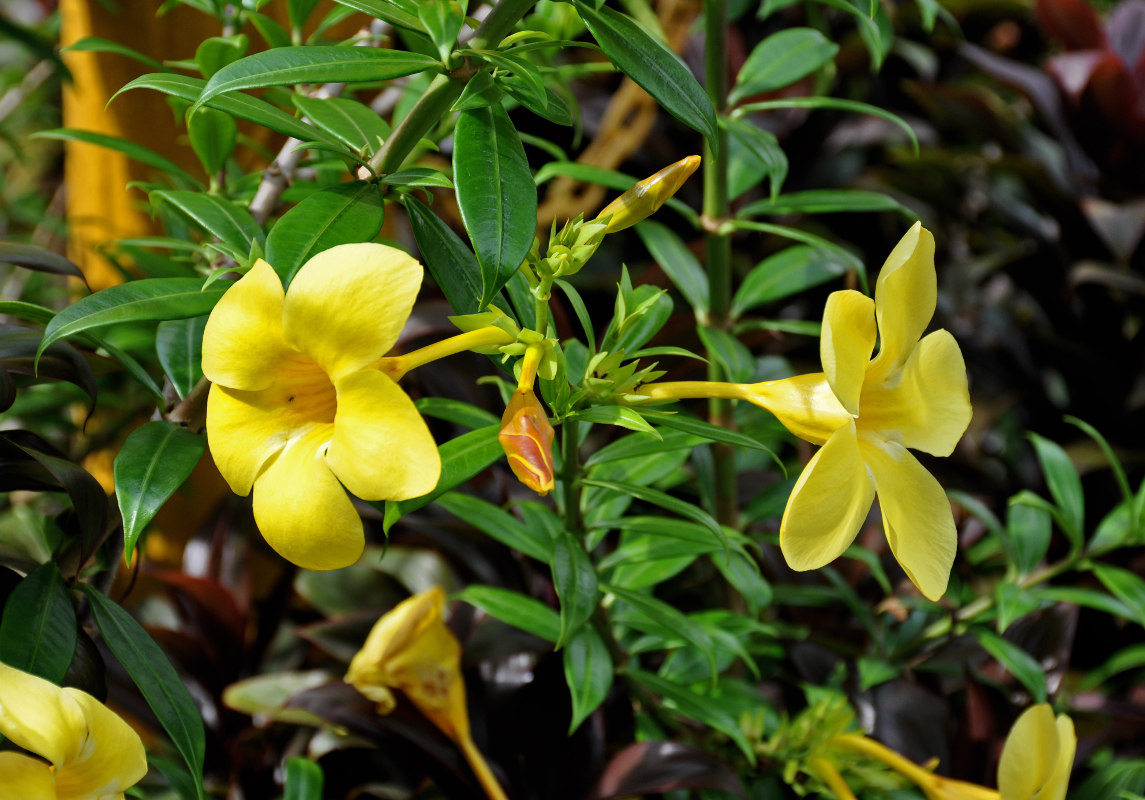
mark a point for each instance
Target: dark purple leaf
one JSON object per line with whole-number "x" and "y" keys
{"x": 1071, "y": 22}
{"x": 1126, "y": 29}
{"x": 39, "y": 259}
{"x": 60, "y": 361}
{"x": 652, "y": 767}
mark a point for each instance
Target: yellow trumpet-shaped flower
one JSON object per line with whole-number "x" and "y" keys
{"x": 1036, "y": 762}
{"x": 868, "y": 414}
{"x": 88, "y": 752}
{"x": 412, "y": 650}
{"x": 299, "y": 409}
{"x": 645, "y": 197}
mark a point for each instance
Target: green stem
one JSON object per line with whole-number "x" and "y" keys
{"x": 435, "y": 102}
{"x": 570, "y": 478}
{"x": 541, "y": 296}
{"x": 718, "y": 247}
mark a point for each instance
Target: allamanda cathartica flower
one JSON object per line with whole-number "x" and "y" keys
{"x": 867, "y": 414}
{"x": 301, "y": 407}
{"x": 86, "y": 752}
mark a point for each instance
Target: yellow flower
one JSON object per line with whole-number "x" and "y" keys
{"x": 87, "y": 750}
{"x": 866, "y": 412}
{"x": 299, "y": 409}
{"x": 646, "y": 196}
{"x": 412, "y": 650}
{"x": 1038, "y": 756}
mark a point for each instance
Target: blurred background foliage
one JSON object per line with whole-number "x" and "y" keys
{"x": 1029, "y": 170}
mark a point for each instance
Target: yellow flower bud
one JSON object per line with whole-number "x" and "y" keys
{"x": 646, "y": 197}
{"x": 527, "y": 438}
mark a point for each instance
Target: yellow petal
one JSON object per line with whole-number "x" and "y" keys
{"x": 804, "y": 404}
{"x": 1038, "y": 756}
{"x": 382, "y": 449}
{"x": 828, "y": 504}
{"x": 393, "y": 631}
{"x": 916, "y": 515}
{"x": 905, "y": 297}
{"x": 347, "y": 305}
{"x": 302, "y": 510}
{"x": 243, "y": 341}
{"x": 112, "y": 757}
{"x": 39, "y": 717}
{"x": 243, "y": 432}
{"x": 25, "y": 778}
{"x": 846, "y": 344}
{"x": 929, "y": 408}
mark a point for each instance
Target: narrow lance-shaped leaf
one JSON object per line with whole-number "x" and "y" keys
{"x": 495, "y": 192}
{"x": 37, "y": 258}
{"x": 179, "y": 345}
{"x": 575, "y": 581}
{"x": 453, "y": 266}
{"x": 229, "y": 223}
{"x": 157, "y": 680}
{"x": 520, "y": 611}
{"x": 154, "y": 461}
{"x": 588, "y": 672}
{"x": 125, "y": 146}
{"x": 38, "y": 630}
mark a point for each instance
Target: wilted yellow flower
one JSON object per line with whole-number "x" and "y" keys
{"x": 646, "y": 197}
{"x": 1036, "y": 761}
{"x": 866, "y": 413}
{"x": 411, "y": 649}
{"x": 299, "y": 408}
{"x": 88, "y": 752}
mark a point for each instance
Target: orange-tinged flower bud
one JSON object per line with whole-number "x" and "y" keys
{"x": 527, "y": 438}
{"x": 646, "y": 197}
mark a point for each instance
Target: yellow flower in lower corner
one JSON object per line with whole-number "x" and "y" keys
{"x": 867, "y": 412}
{"x": 88, "y": 752}
{"x": 1038, "y": 756}
{"x": 298, "y": 409}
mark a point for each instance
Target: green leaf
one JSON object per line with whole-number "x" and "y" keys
{"x": 1028, "y": 532}
{"x": 495, "y": 192}
{"x": 780, "y": 60}
{"x": 458, "y": 412}
{"x": 354, "y": 124}
{"x": 788, "y": 272}
{"x": 835, "y": 103}
{"x": 213, "y": 135}
{"x": 147, "y": 299}
{"x": 229, "y": 223}
{"x": 754, "y": 154}
{"x": 713, "y": 433}
{"x": 514, "y": 608}
{"x": 286, "y": 66}
{"x": 1089, "y": 598}
{"x": 461, "y": 459}
{"x": 741, "y": 571}
{"x": 179, "y": 344}
{"x": 242, "y": 106}
{"x": 678, "y": 263}
{"x": 1107, "y": 451}
{"x": 1065, "y": 487}
{"x": 588, "y": 672}
{"x": 637, "y": 445}
{"x": 666, "y": 502}
{"x": 348, "y": 213}
{"x": 696, "y": 706}
{"x": 154, "y": 461}
{"x": 442, "y": 20}
{"x": 97, "y": 44}
{"x": 304, "y": 778}
{"x": 850, "y": 259}
{"x": 453, "y": 266}
{"x": 1125, "y": 586}
{"x": 1021, "y": 664}
{"x": 498, "y": 524}
{"x": 575, "y": 581}
{"x": 38, "y": 630}
{"x": 402, "y": 15}
{"x": 156, "y": 679}
{"x": 729, "y": 352}
{"x": 657, "y": 69}
{"x": 37, "y": 258}
{"x": 129, "y": 148}
{"x": 825, "y": 201}
{"x": 217, "y": 52}
{"x": 669, "y": 621}
{"x": 621, "y": 416}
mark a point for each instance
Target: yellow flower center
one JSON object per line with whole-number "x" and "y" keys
{"x": 304, "y": 392}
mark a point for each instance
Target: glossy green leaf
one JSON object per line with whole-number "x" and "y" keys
{"x": 588, "y": 672}
{"x": 741, "y": 571}
{"x": 38, "y": 629}
{"x": 637, "y": 445}
{"x": 354, "y": 124}
{"x": 148, "y": 667}
{"x": 713, "y": 433}
{"x": 574, "y": 578}
{"x": 147, "y": 299}
{"x": 781, "y": 59}
{"x": 458, "y": 412}
{"x": 835, "y": 103}
{"x": 678, "y": 263}
{"x": 652, "y": 65}
{"x": 1065, "y": 486}
{"x": 268, "y": 28}
{"x": 286, "y": 66}
{"x": 825, "y": 201}
{"x": 669, "y": 620}
{"x": 242, "y": 106}
{"x": 498, "y": 524}
{"x": 667, "y": 502}
{"x": 97, "y": 44}
{"x": 495, "y": 192}
{"x": 304, "y": 778}
{"x": 514, "y": 608}
{"x": 403, "y": 15}
{"x": 37, "y": 258}
{"x": 461, "y": 458}
{"x": 442, "y": 20}
{"x": 546, "y": 103}
{"x": 213, "y": 135}
{"x": 129, "y": 148}
{"x": 839, "y": 253}
{"x": 216, "y": 52}
{"x": 729, "y": 352}
{"x": 788, "y": 272}
{"x": 1027, "y": 535}
{"x": 621, "y": 416}
{"x": 179, "y": 344}
{"x": 1021, "y": 664}
{"x": 1126, "y": 586}
{"x": 754, "y": 154}
{"x": 229, "y": 223}
{"x": 1088, "y": 598}
{"x": 344, "y": 214}
{"x": 417, "y": 177}
{"x": 453, "y": 266}
{"x": 154, "y": 461}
